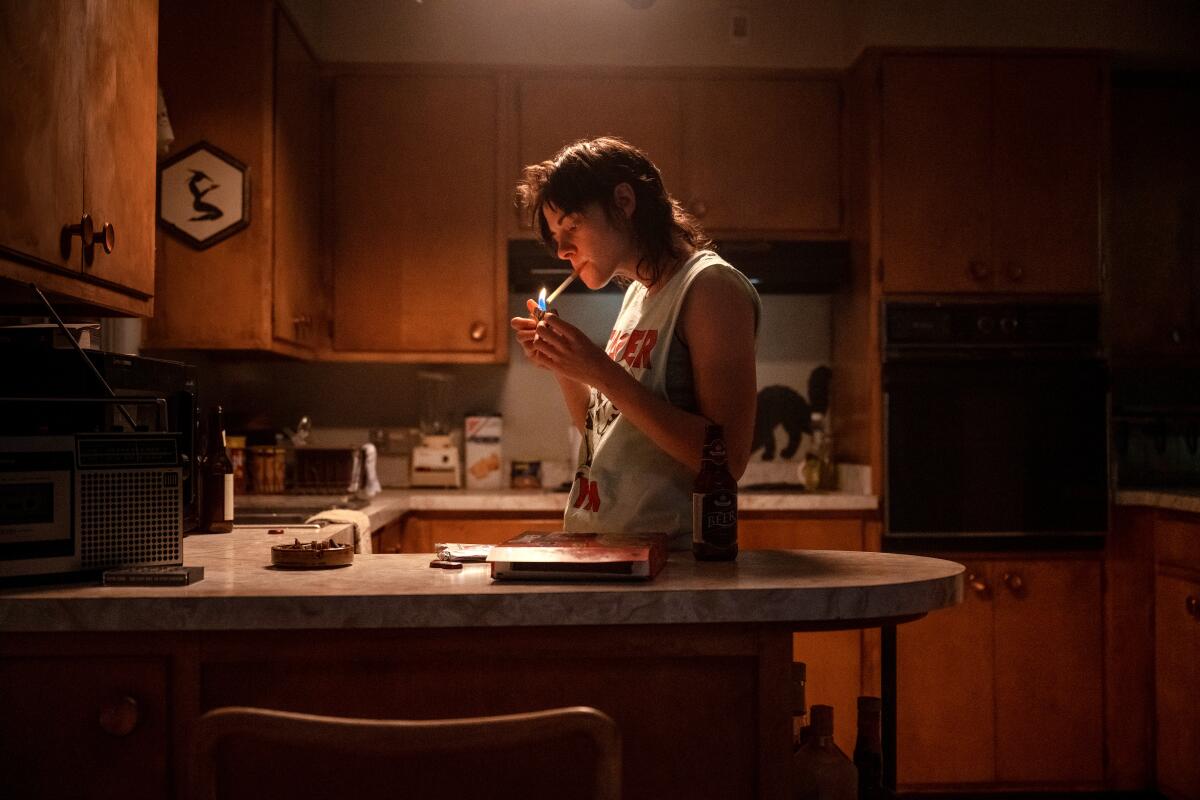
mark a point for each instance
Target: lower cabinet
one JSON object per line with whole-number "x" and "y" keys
{"x": 84, "y": 727}
{"x": 1006, "y": 689}
{"x": 1177, "y": 656}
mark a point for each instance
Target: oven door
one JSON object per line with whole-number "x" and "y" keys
{"x": 996, "y": 446}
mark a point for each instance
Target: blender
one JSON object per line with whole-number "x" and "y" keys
{"x": 435, "y": 461}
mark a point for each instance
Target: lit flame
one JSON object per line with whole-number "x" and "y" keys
{"x": 542, "y": 299}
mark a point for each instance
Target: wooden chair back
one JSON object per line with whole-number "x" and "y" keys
{"x": 258, "y": 753}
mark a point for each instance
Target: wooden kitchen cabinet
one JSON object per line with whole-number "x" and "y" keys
{"x": 1154, "y": 283}
{"x": 85, "y": 727}
{"x": 262, "y": 288}
{"x": 763, "y": 155}
{"x": 1177, "y": 654}
{"x": 416, "y": 274}
{"x": 991, "y": 168}
{"x": 79, "y": 122}
{"x": 744, "y": 155}
{"x": 1004, "y": 690}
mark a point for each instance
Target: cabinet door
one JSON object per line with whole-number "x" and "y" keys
{"x": 414, "y": 250}
{"x": 299, "y": 296}
{"x": 1049, "y": 684}
{"x": 1048, "y": 118}
{"x": 41, "y": 81}
{"x": 945, "y": 692}
{"x": 81, "y": 728}
{"x": 1177, "y": 673}
{"x": 832, "y": 659}
{"x": 118, "y": 99}
{"x": 557, "y": 111}
{"x": 763, "y": 155}
{"x": 1154, "y": 282}
{"x": 936, "y": 174}
{"x": 421, "y": 533}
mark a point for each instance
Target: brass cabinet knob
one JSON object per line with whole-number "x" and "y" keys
{"x": 979, "y": 270}
{"x": 119, "y": 716}
{"x": 1014, "y": 582}
{"x": 699, "y": 208}
{"x": 1192, "y": 604}
{"x": 977, "y": 584}
{"x": 86, "y": 231}
{"x": 1015, "y": 272}
{"x": 478, "y": 331}
{"x": 108, "y": 238}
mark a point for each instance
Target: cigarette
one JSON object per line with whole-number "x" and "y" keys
{"x": 560, "y": 288}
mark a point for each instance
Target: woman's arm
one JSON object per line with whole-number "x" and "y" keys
{"x": 717, "y": 320}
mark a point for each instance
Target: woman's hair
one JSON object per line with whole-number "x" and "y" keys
{"x": 587, "y": 172}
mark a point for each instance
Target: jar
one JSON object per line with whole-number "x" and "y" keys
{"x": 268, "y": 465}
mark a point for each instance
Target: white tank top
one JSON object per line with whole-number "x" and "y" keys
{"x": 624, "y": 481}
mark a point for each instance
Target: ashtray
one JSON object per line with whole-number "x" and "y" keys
{"x": 311, "y": 555}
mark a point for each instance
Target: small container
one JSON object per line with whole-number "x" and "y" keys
{"x": 268, "y": 465}
{"x": 236, "y": 445}
{"x": 526, "y": 475}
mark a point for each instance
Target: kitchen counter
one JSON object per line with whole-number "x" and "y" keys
{"x": 1187, "y": 500}
{"x": 241, "y": 590}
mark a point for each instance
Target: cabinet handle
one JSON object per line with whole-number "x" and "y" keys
{"x": 1015, "y": 272}
{"x": 1192, "y": 604}
{"x": 1015, "y": 583}
{"x": 977, "y": 584}
{"x": 979, "y": 270}
{"x": 699, "y": 209}
{"x": 86, "y": 231}
{"x": 478, "y": 331}
{"x": 119, "y": 717}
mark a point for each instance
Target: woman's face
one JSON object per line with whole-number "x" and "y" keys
{"x": 597, "y": 249}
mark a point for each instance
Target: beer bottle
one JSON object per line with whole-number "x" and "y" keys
{"x": 216, "y": 479}
{"x": 868, "y": 752}
{"x": 714, "y": 502}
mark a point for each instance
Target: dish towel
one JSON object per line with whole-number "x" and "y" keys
{"x": 360, "y": 521}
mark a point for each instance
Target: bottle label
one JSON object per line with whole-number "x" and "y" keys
{"x": 228, "y": 497}
{"x": 714, "y": 518}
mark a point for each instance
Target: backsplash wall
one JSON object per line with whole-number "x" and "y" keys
{"x": 271, "y": 393}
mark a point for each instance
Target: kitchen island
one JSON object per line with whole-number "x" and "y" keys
{"x": 695, "y": 666}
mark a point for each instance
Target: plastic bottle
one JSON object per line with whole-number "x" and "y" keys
{"x": 820, "y": 770}
{"x": 714, "y": 502}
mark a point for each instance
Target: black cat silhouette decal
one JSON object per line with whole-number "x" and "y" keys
{"x": 783, "y": 405}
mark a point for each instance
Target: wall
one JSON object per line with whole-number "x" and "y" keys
{"x": 817, "y": 34}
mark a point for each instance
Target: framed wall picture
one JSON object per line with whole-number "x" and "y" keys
{"x": 203, "y": 195}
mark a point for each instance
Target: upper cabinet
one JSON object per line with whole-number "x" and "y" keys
{"x": 257, "y": 98}
{"x": 415, "y": 234}
{"x": 77, "y": 165}
{"x": 990, "y": 172}
{"x": 1154, "y": 283}
{"x": 746, "y": 156}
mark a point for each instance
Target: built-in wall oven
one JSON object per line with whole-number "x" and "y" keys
{"x": 995, "y": 421}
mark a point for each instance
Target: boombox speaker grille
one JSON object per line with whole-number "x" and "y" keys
{"x": 129, "y": 517}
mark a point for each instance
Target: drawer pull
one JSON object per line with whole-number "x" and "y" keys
{"x": 478, "y": 331}
{"x": 119, "y": 717}
{"x": 1015, "y": 583}
{"x": 977, "y": 584}
{"x": 979, "y": 270}
{"x": 1192, "y": 604}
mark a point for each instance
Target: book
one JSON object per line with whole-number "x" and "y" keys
{"x": 153, "y": 576}
{"x": 558, "y": 555}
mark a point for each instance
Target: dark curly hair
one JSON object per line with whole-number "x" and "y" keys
{"x": 587, "y": 172}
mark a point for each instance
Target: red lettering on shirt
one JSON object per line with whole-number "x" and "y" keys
{"x": 642, "y": 357}
{"x": 632, "y": 347}
{"x": 589, "y": 494}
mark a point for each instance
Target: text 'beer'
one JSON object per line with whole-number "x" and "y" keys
{"x": 714, "y": 502}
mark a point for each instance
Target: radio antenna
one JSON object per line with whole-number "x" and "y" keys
{"x": 70, "y": 338}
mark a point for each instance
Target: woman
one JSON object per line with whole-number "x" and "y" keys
{"x": 680, "y": 355}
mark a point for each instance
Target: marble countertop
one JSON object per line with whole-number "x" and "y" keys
{"x": 391, "y": 504}
{"x": 1171, "y": 499}
{"x": 242, "y": 591}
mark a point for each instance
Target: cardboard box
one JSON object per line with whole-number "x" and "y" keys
{"x": 482, "y": 446}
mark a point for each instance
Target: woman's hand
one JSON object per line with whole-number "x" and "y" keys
{"x": 566, "y": 350}
{"x": 526, "y": 328}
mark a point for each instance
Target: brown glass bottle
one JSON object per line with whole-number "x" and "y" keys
{"x": 868, "y": 751}
{"x": 216, "y": 478}
{"x": 820, "y": 770}
{"x": 714, "y": 502}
